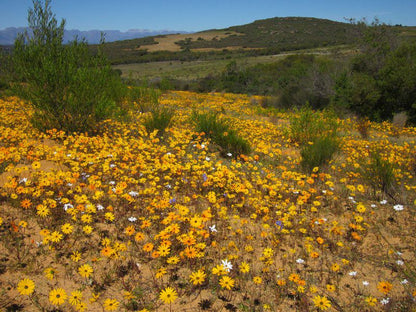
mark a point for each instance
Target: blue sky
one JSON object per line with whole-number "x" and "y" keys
{"x": 190, "y": 15}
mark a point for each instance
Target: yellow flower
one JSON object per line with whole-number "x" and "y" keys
{"x": 330, "y": 287}
{"x": 86, "y": 218}
{"x": 26, "y": 287}
{"x": 335, "y": 267}
{"x": 361, "y": 208}
{"x": 244, "y": 267}
{"x": 196, "y": 221}
{"x": 109, "y": 216}
{"x": 87, "y": 229}
{"x": 42, "y": 211}
{"x": 257, "y": 280}
{"x": 81, "y": 306}
{"x": 218, "y": 270}
{"x": 173, "y": 260}
{"x": 168, "y": 295}
{"x": 85, "y": 270}
{"x": 49, "y": 273}
{"x": 227, "y": 282}
{"x": 162, "y": 271}
{"x": 212, "y": 197}
{"x": 57, "y": 296}
{"x": 76, "y": 256}
{"x": 75, "y": 297}
{"x": 321, "y": 303}
{"x": 56, "y": 237}
{"x": 36, "y": 165}
{"x": 268, "y": 252}
{"x": 198, "y": 277}
{"x": 111, "y": 304}
{"x": 371, "y": 301}
{"x": 128, "y": 295}
{"x": 163, "y": 250}
{"x": 67, "y": 228}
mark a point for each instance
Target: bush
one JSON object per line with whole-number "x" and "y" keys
{"x": 319, "y": 153}
{"x": 146, "y": 98}
{"x": 159, "y": 119}
{"x": 69, "y": 88}
{"x": 363, "y": 127}
{"x": 306, "y": 125}
{"x": 379, "y": 173}
{"x": 220, "y": 133}
{"x": 381, "y": 81}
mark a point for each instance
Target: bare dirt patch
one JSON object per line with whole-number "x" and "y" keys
{"x": 168, "y": 43}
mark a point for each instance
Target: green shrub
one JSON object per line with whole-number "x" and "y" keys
{"x": 159, "y": 119}
{"x": 319, "y": 153}
{"x": 69, "y": 88}
{"x": 306, "y": 125}
{"x": 379, "y": 173}
{"x": 220, "y": 133}
{"x": 146, "y": 98}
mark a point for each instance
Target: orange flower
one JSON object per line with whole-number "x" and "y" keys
{"x": 107, "y": 251}
{"x": 384, "y": 287}
{"x": 26, "y": 203}
{"x": 190, "y": 252}
{"x": 148, "y": 247}
{"x": 139, "y": 237}
{"x": 129, "y": 230}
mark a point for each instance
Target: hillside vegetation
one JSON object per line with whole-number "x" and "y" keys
{"x": 268, "y": 36}
{"x": 262, "y": 37}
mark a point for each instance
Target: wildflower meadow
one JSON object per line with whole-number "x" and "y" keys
{"x": 135, "y": 219}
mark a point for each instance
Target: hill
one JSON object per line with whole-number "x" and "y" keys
{"x": 268, "y": 36}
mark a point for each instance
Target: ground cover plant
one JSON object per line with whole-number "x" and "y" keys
{"x": 128, "y": 221}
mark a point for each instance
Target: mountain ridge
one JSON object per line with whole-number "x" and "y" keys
{"x": 93, "y": 36}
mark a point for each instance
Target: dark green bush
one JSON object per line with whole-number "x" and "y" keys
{"x": 220, "y": 133}
{"x": 319, "y": 153}
{"x": 381, "y": 81}
{"x": 69, "y": 88}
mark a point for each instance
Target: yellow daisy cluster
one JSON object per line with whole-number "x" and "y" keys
{"x": 135, "y": 221}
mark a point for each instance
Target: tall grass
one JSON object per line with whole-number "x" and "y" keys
{"x": 147, "y": 99}
{"x": 306, "y": 125}
{"x": 159, "y": 119}
{"x": 221, "y": 133}
{"x": 379, "y": 173}
{"x": 319, "y": 152}
{"x": 317, "y": 135}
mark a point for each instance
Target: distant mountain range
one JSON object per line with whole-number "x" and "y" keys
{"x": 8, "y": 35}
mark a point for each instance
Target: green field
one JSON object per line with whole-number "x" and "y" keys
{"x": 191, "y": 70}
